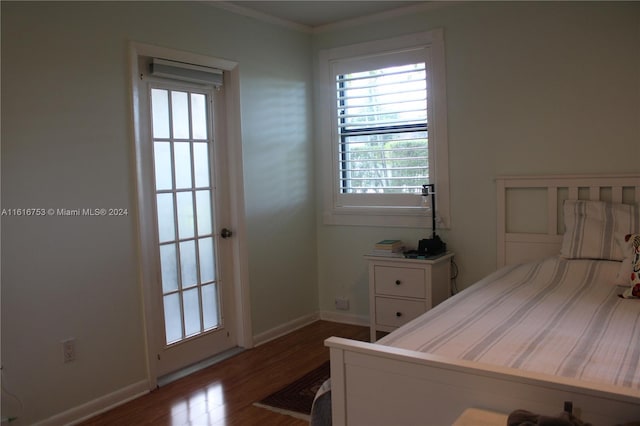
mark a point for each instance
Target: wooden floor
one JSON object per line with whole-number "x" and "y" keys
{"x": 223, "y": 394}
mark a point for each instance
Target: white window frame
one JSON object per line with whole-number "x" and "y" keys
{"x": 389, "y": 209}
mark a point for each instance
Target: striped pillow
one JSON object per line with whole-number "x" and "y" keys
{"x": 591, "y": 228}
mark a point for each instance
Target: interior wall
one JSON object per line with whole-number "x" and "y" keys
{"x": 532, "y": 88}
{"x": 67, "y": 143}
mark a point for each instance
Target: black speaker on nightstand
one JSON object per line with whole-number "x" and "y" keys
{"x": 431, "y": 246}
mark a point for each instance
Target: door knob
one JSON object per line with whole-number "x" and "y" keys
{"x": 226, "y": 233}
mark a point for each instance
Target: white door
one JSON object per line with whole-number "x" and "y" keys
{"x": 193, "y": 294}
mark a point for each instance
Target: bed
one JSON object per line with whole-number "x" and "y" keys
{"x": 547, "y": 327}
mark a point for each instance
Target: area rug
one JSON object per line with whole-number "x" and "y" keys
{"x": 296, "y": 398}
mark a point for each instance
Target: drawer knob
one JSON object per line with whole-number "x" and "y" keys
{"x": 398, "y": 282}
{"x": 398, "y": 314}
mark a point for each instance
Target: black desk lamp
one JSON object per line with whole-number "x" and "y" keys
{"x": 434, "y": 245}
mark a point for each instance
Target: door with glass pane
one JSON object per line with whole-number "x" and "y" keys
{"x": 187, "y": 211}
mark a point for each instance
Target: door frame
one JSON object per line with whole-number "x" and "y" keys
{"x": 143, "y": 165}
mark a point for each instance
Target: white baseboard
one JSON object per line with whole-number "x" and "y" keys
{"x": 283, "y": 329}
{"x": 287, "y": 328}
{"x": 104, "y": 403}
{"x": 98, "y": 405}
{"x": 344, "y": 318}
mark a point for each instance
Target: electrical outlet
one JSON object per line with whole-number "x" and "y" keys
{"x": 342, "y": 303}
{"x": 69, "y": 350}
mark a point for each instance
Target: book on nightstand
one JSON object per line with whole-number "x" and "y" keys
{"x": 388, "y": 248}
{"x": 391, "y": 245}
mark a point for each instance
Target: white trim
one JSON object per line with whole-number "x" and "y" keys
{"x": 439, "y": 128}
{"x": 143, "y": 246}
{"x": 99, "y": 405}
{"x": 345, "y": 318}
{"x": 151, "y": 50}
{"x": 293, "y": 325}
{"x": 336, "y": 214}
{"x": 381, "y": 16}
{"x": 343, "y": 24}
{"x": 234, "y": 153}
{"x": 238, "y": 215}
{"x": 377, "y": 217}
{"x": 283, "y": 329}
{"x": 376, "y": 47}
{"x": 260, "y": 16}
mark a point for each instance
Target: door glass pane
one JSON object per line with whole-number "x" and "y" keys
{"x": 203, "y": 207}
{"x": 162, "y": 154}
{"x": 201, "y": 164}
{"x": 191, "y": 312}
{"x": 168, "y": 264}
{"x": 181, "y": 122}
{"x": 185, "y": 215}
{"x": 172, "y": 318}
{"x": 207, "y": 264}
{"x": 210, "y": 306}
{"x": 166, "y": 224}
{"x": 160, "y": 111}
{"x": 182, "y": 160}
{"x": 198, "y": 116}
{"x": 180, "y": 110}
{"x": 188, "y": 270}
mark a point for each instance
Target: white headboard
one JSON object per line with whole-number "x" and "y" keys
{"x": 530, "y": 221}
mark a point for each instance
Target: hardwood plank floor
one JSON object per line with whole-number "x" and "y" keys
{"x": 224, "y": 393}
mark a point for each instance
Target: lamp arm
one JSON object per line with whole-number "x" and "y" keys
{"x": 429, "y": 189}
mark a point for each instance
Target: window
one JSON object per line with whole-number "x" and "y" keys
{"x": 382, "y": 123}
{"x": 384, "y": 135}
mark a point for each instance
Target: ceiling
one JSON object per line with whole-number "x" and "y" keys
{"x": 316, "y": 13}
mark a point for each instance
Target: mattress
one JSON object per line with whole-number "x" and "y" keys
{"x": 556, "y": 316}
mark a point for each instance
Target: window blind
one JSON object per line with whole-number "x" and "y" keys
{"x": 186, "y": 72}
{"x": 383, "y": 132}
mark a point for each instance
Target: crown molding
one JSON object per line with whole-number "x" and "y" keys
{"x": 260, "y": 16}
{"x": 347, "y": 23}
{"x": 382, "y": 16}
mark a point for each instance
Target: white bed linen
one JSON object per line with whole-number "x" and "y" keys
{"x": 557, "y": 316}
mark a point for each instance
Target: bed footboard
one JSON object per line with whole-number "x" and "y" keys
{"x": 380, "y": 385}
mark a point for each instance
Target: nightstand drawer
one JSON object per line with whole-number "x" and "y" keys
{"x": 404, "y": 282}
{"x": 402, "y": 289}
{"x": 395, "y": 312}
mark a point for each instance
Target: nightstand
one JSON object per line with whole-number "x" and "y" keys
{"x": 402, "y": 289}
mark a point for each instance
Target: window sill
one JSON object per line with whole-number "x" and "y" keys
{"x": 378, "y": 217}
